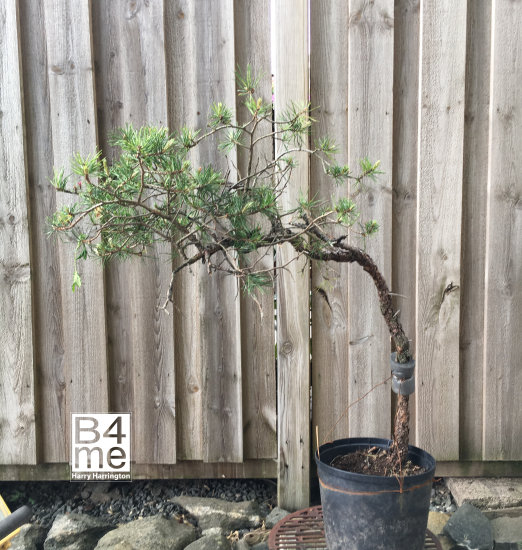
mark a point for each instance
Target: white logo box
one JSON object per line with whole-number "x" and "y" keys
{"x": 101, "y": 446}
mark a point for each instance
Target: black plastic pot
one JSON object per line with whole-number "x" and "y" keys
{"x": 363, "y": 512}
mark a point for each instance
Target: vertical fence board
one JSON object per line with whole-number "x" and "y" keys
{"x": 370, "y": 104}
{"x": 205, "y": 74}
{"x": 17, "y": 429}
{"x": 73, "y": 123}
{"x": 474, "y": 197}
{"x": 404, "y": 200}
{"x": 293, "y": 355}
{"x": 503, "y": 313}
{"x": 219, "y": 314}
{"x": 252, "y": 46}
{"x": 131, "y": 88}
{"x": 182, "y": 85}
{"x": 439, "y": 192}
{"x": 330, "y": 299}
{"x": 48, "y": 338}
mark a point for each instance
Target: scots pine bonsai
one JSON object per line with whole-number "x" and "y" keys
{"x": 155, "y": 192}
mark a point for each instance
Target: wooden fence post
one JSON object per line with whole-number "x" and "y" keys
{"x": 293, "y": 330}
{"x": 83, "y": 367}
{"x": 439, "y": 192}
{"x": 503, "y": 309}
{"x": 131, "y": 88}
{"x": 17, "y": 428}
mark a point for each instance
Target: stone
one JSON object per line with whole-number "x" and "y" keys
{"x": 213, "y": 542}
{"x": 470, "y": 528}
{"x": 241, "y": 545}
{"x": 75, "y": 532}
{"x": 507, "y": 546}
{"x": 275, "y": 516}
{"x": 255, "y": 537}
{"x": 260, "y": 546}
{"x": 446, "y": 543}
{"x": 30, "y": 537}
{"x": 506, "y": 524}
{"x": 151, "y": 533}
{"x": 486, "y": 493}
{"x": 507, "y": 529}
{"x": 437, "y": 521}
{"x": 220, "y": 516}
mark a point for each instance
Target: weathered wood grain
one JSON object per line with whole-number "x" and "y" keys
{"x": 46, "y": 297}
{"x": 330, "y": 296}
{"x": 439, "y": 195}
{"x": 131, "y": 89}
{"x": 293, "y": 356}
{"x": 181, "y": 470}
{"x": 502, "y": 435}
{"x": 252, "y": 46}
{"x": 17, "y": 425}
{"x": 206, "y": 75}
{"x": 370, "y": 119}
{"x": 474, "y": 202}
{"x": 448, "y": 165}
{"x": 73, "y": 126}
{"x": 404, "y": 170}
{"x": 182, "y": 84}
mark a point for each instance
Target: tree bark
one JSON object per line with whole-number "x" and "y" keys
{"x": 345, "y": 253}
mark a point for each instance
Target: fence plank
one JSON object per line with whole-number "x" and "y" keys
{"x": 293, "y": 359}
{"x": 476, "y": 132}
{"x": 205, "y": 74}
{"x": 330, "y": 298}
{"x": 252, "y": 46}
{"x": 220, "y": 320}
{"x": 404, "y": 200}
{"x": 503, "y": 315}
{"x": 439, "y": 192}
{"x": 370, "y": 108}
{"x": 183, "y": 109}
{"x": 73, "y": 123}
{"x": 131, "y": 88}
{"x": 48, "y": 339}
{"x": 17, "y": 430}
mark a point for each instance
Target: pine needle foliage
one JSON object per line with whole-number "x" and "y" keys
{"x": 154, "y": 192}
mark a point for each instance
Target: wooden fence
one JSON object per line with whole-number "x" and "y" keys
{"x": 432, "y": 89}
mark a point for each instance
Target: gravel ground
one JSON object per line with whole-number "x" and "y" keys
{"x": 123, "y": 502}
{"x": 441, "y": 498}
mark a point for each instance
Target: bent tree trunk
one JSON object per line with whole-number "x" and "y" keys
{"x": 340, "y": 252}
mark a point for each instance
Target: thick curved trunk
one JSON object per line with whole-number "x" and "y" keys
{"x": 345, "y": 253}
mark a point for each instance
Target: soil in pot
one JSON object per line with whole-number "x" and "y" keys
{"x": 375, "y": 461}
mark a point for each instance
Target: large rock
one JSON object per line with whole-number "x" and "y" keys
{"x": 437, "y": 521}
{"x": 152, "y": 533}
{"x": 486, "y": 493}
{"x": 217, "y": 516}
{"x": 470, "y": 528}
{"x": 75, "y": 532}
{"x": 275, "y": 516}
{"x": 212, "y": 542}
{"x": 30, "y": 537}
{"x": 506, "y": 524}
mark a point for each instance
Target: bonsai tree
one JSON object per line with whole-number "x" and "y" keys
{"x": 155, "y": 192}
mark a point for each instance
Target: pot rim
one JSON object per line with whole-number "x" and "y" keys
{"x": 372, "y": 442}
